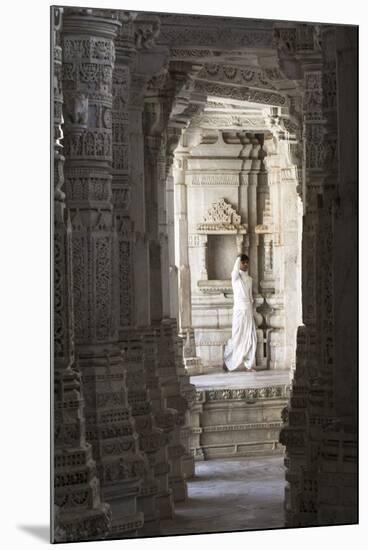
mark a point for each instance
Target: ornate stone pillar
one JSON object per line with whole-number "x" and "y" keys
{"x": 151, "y": 438}
{"x": 273, "y": 288}
{"x": 88, "y": 62}
{"x": 345, "y": 268}
{"x": 152, "y": 150}
{"x": 336, "y": 500}
{"x": 141, "y": 276}
{"x": 182, "y": 259}
{"x": 271, "y": 341}
{"x": 243, "y": 206}
{"x": 287, "y": 243}
{"x": 173, "y": 399}
{"x": 121, "y": 180}
{"x": 301, "y": 447}
{"x": 173, "y": 136}
{"x": 163, "y": 230}
{"x": 146, "y": 251}
{"x": 165, "y": 419}
{"x": 78, "y": 513}
{"x": 173, "y": 272}
{"x": 202, "y": 245}
{"x": 346, "y": 222}
{"x": 252, "y": 222}
{"x": 189, "y": 392}
{"x": 158, "y": 103}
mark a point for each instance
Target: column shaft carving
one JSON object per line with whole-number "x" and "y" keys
{"x": 152, "y": 191}
{"x": 173, "y": 271}
{"x": 88, "y": 64}
{"x": 299, "y": 497}
{"x": 166, "y": 332}
{"x": 313, "y": 427}
{"x": 182, "y": 259}
{"x": 165, "y": 419}
{"x": 121, "y": 180}
{"x": 150, "y": 436}
{"x": 79, "y": 513}
{"x": 141, "y": 273}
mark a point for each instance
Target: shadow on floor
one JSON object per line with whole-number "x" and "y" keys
{"x": 41, "y": 532}
{"x": 231, "y": 495}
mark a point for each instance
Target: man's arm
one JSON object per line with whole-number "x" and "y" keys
{"x": 235, "y": 272}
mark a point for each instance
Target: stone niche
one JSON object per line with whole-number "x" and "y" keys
{"x": 221, "y": 250}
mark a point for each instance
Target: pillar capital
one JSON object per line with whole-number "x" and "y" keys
{"x": 77, "y": 23}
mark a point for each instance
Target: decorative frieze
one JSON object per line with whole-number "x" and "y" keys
{"x": 182, "y": 36}
{"x": 246, "y": 394}
{"x": 222, "y": 121}
{"x": 236, "y": 75}
{"x": 240, "y": 93}
{"x": 189, "y": 53}
{"x": 214, "y": 179}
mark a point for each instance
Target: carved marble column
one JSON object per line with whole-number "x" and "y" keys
{"x": 259, "y": 236}
{"x": 173, "y": 135}
{"x": 163, "y": 228}
{"x": 346, "y": 222}
{"x": 148, "y": 62}
{"x": 88, "y": 62}
{"x": 152, "y": 151}
{"x": 345, "y": 230}
{"x": 171, "y": 389}
{"x": 78, "y": 512}
{"x": 188, "y": 391}
{"x": 252, "y": 222}
{"x": 336, "y": 500}
{"x": 158, "y": 102}
{"x": 182, "y": 259}
{"x": 272, "y": 288}
{"x": 121, "y": 157}
{"x": 151, "y": 438}
{"x": 293, "y": 434}
{"x": 300, "y": 432}
{"x": 165, "y": 419}
{"x": 142, "y": 289}
{"x": 287, "y": 244}
{"x": 173, "y": 271}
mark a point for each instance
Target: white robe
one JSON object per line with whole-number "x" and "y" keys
{"x": 241, "y": 348}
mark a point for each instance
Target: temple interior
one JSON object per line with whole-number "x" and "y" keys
{"x": 181, "y": 141}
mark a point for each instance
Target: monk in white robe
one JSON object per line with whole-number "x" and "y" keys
{"x": 240, "y": 350}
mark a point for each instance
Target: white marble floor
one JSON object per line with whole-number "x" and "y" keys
{"x": 231, "y": 495}
{"x": 239, "y": 379}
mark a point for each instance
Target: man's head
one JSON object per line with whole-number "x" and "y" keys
{"x": 244, "y": 262}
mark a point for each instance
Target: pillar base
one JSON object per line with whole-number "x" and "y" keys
{"x": 188, "y": 466}
{"x": 179, "y": 488}
{"x": 165, "y": 505}
{"x": 93, "y": 524}
{"x": 127, "y": 526}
